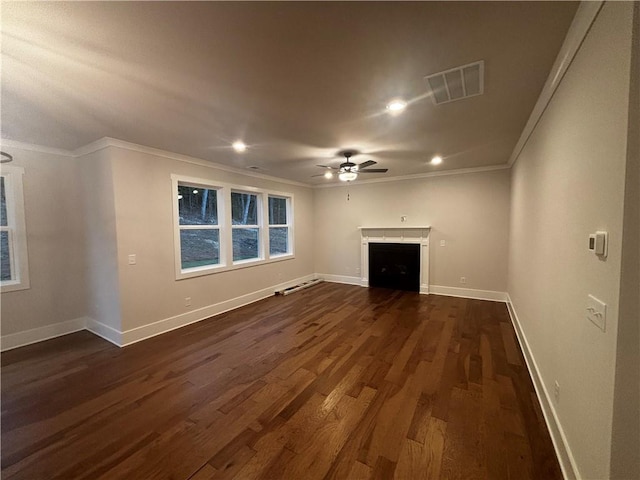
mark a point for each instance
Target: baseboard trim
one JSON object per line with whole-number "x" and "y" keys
{"x": 35, "y": 335}
{"x": 104, "y": 331}
{"x": 468, "y": 293}
{"x": 425, "y": 289}
{"x": 138, "y": 334}
{"x": 134, "y": 335}
{"x": 340, "y": 279}
{"x": 563, "y": 452}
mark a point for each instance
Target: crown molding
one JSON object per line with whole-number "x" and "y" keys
{"x": 114, "y": 142}
{"x": 580, "y": 26}
{"x": 35, "y": 148}
{"x": 106, "y": 142}
{"x": 445, "y": 173}
{"x": 93, "y": 147}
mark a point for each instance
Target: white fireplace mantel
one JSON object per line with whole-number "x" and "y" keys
{"x": 382, "y": 234}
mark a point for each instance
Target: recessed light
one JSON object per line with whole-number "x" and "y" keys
{"x": 437, "y": 160}
{"x": 239, "y": 146}
{"x": 328, "y": 175}
{"x": 396, "y": 106}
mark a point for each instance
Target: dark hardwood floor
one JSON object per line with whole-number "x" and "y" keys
{"x": 334, "y": 381}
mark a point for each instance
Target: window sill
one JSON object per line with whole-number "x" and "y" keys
{"x": 202, "y": 271}
{"x": 14, "y": 286}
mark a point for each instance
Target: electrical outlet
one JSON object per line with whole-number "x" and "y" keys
{"x": 132, "y": 259}
{"x": 463, "y": 280}
{"x": 556, "y": 391}
{"x": 443, "y": 243}
{"x": 187, "y": 301}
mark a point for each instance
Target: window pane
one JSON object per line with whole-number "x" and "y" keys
{"x": 5, "y": 262}
{"x": 197, "y": 206}
{"x": 199, "y": 247}
{"x": 3, "y": 205}
{"x": 245, "y": 243}
{"x": 244, "y": 208}
{"x": 277, "y": 211}
{"x": 278, "y": 240}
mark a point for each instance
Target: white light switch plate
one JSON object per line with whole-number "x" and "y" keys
{"x": 597, "y": 311}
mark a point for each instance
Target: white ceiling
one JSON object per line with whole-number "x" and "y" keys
{"x": 297, "y": 81}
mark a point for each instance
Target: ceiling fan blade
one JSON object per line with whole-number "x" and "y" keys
{"x": 325, "y": 166}
{"x": 374, "y": 170}
{"x": 319, "y": 175}
{"x": 366, "y": 164}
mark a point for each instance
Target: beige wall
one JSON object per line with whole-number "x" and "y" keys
{"x": 143, "y": 206}
{"x": 625, "y": 445}
{"x": 100, "y": 225}
{"x": 55, "y": 241}
{"x": 85, "y": 215}
{"x": 469, "y": 211}
{"x": 569, "y": 182}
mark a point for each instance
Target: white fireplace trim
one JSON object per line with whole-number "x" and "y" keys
{"x": 416, "y": 235}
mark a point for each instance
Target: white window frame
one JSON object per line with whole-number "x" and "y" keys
{"x": 195, "y": 182}
{"x": 260, "y": 225}
{"x": 226, "y": 228}
{"x": 288, "y": 225}
{"x": 16, "y": 228}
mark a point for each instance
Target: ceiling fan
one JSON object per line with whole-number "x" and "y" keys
{"x": 348, "y": 171}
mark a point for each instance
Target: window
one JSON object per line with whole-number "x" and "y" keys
{"x": 220, "y": 227}
{"x": 14, "y": 268}
{"x": 246, "y": 229}
{"x": 279, "y": 225}
{"x": 199, "y": 229}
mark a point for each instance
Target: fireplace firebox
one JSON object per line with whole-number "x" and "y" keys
{"x": 395, "y": 265}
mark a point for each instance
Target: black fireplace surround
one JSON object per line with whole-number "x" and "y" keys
{"x": 395, "y": 265}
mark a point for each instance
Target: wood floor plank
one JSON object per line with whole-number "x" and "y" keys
{"x": 464, "y": 435}
{"x": 510, "y": 345}
{"x": 332, "y": 382}
{"x": 395, "y": 418}
{"x": 423, "y": 461}
{"x": 207, "y": 472}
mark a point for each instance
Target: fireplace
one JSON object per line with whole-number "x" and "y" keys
{"x": 396, "y": 273}
{"x": 395, "y": 265}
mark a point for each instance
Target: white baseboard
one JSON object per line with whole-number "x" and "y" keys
{"x": 565, "y": 457}
{"x": 35, "y": 335}
{"x": 166, "y": 325}
{"x": 425, "y": 289}
{"x": 468, "y": 293}
{"x": 104, "y": 331}
{"x": 121, "y": 339}
{"x": 340, "y": 279}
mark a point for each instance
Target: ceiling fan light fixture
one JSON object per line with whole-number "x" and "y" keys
{"x": 348, "y": 176}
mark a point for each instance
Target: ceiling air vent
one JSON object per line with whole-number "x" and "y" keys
{"x": 457, "y": 83}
